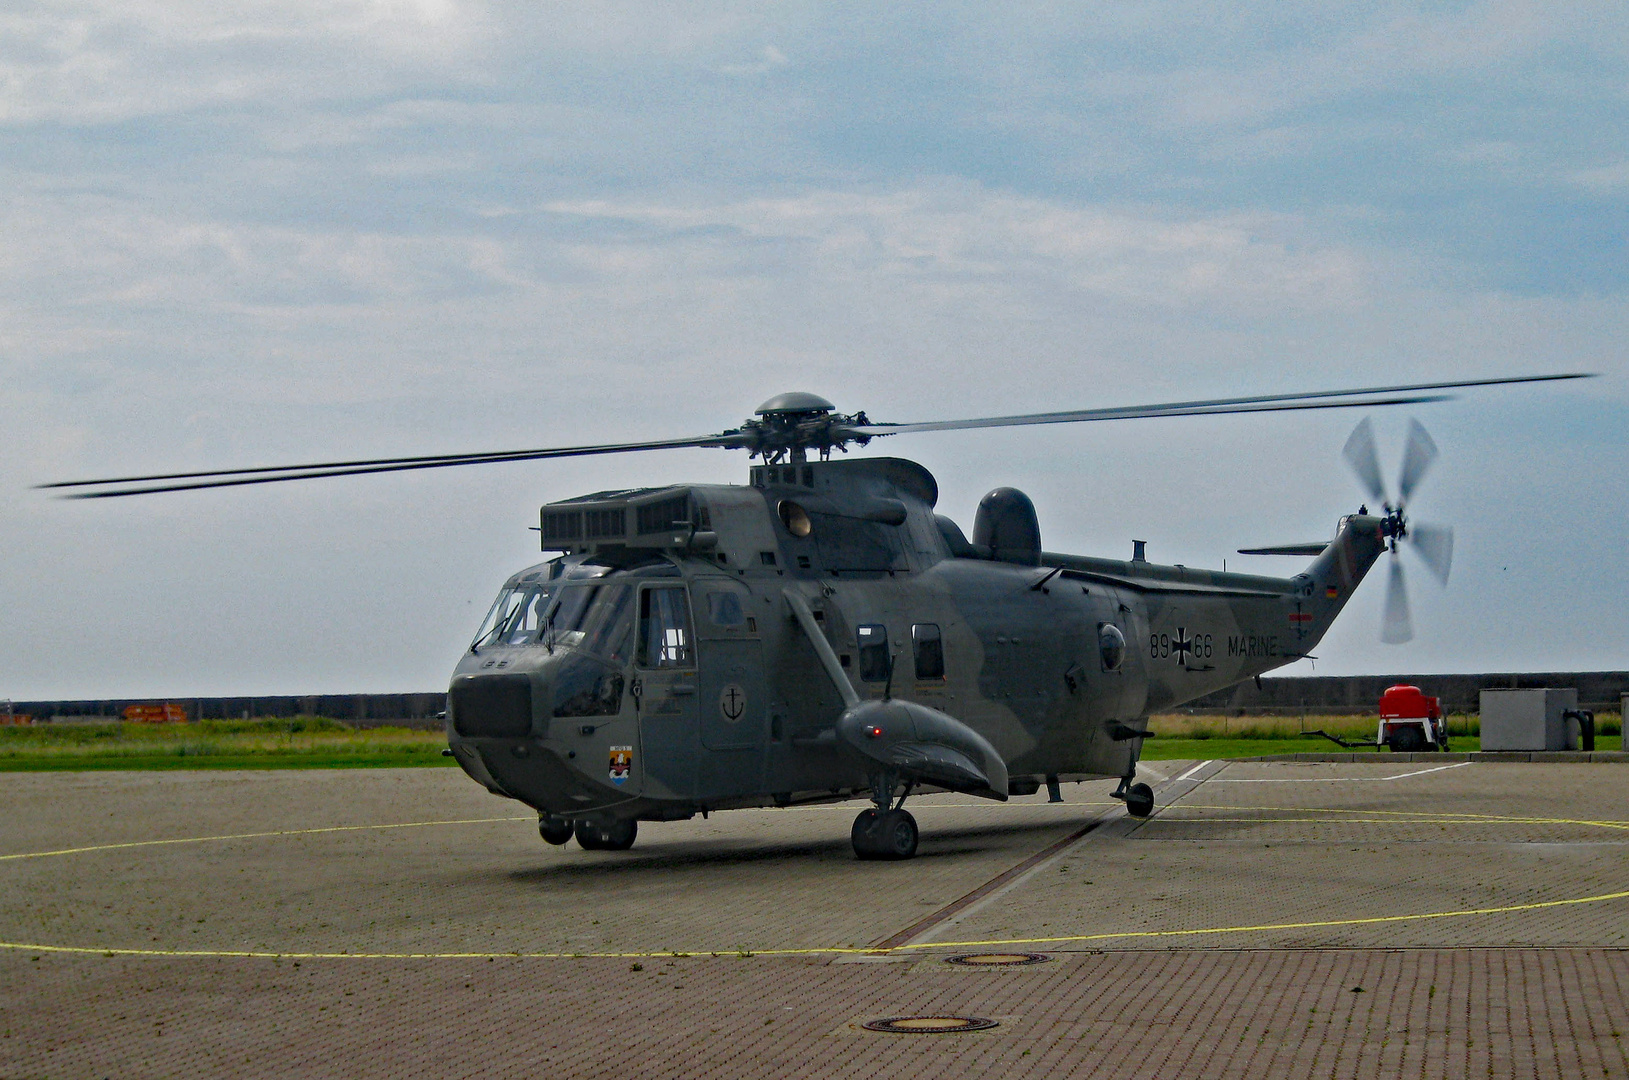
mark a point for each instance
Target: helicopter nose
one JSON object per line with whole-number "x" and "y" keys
{"x": 496, "y": 705}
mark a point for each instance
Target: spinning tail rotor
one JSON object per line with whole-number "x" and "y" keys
{"x": 1433, "y": 544}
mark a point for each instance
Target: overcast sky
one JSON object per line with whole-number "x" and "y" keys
{"x": 267, "y": 232}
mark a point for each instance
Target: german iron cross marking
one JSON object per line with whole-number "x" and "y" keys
{"x": 1182, "y": 645}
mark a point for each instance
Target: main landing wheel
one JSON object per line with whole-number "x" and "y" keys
{"x": 616, "y": 835}
{"x": 890, "y": 834}
{"x": 554, "y": 830}
{"x": 1139, "y": 800}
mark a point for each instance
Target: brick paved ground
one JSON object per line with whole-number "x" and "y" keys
{"x": 1438, "y": 1013}
{"x": 1532, "y": 991}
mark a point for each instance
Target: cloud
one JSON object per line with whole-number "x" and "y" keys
{"x": 255, "y": 233}
{"x": 962, "y": 234}
{"x": 769, "y": 58}
{"x": 1603, "y": 179}
{"x": 86, "y": 62}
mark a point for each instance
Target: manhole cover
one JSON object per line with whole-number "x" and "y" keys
{"x": 997, "y": 959}
{"x": 928, "y": 1025}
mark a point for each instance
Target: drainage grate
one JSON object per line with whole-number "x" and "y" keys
{"x": 928, "y": 1025}
{"x": 997, "y": 959}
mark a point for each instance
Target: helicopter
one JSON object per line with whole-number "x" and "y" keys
{"x": 821, "y": 634}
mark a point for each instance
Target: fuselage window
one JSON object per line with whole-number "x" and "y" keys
{"x": 724, "y": 608}
{"x": 930, "y": 651}
{"x": 873, "y": 642}
{"x": 1111, "y": 646}
{"x": 664, "y": 629}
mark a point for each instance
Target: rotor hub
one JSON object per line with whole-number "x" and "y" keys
{"x": 794, "y": 423}
{"x": 1393, "y": 524}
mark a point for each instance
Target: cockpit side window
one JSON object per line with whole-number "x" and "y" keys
{"x": 664, "y": 628}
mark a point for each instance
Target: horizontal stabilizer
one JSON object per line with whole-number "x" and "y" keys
{"x": 1288, "y": 549}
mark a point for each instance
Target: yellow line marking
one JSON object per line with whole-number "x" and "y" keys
{"x": 1388, "y": 816}
{"x": 828, "y": 950}
{"x": 254, "y": 836}
{"x": 819, "y": 951}
{"x": 1280, "y": 926}
{"x": 228, "y": 954}
{"x": 423, "y": 824}
{"x": 919, "y": 807}
{"x": 1335, "y": 821}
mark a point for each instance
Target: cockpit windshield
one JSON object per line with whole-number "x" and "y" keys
{"x": 517, "y": 616}
{"x": 588, "y": 615}
{"x": 596, "y": 618}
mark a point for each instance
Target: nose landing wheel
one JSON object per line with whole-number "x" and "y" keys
{"x": 615, "y": 835}
{"x": 554, "y": 830}
{"x": 884, "y": 834}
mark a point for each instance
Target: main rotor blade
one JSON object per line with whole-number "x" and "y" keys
{"x": 1207, "y": 407}
{"x": 277, "y": 474}
{"x": 1139, "y": 412}
{"x": 1360, "y": 453}
{"x": 1396, "y": 626}
{"x": 836, "y": 435}
{"x": 1434, "y": 544}
{"x": 1418, "y": 454}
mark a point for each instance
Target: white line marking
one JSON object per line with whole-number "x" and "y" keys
{"x": 985, "y": 901}
{"x": 1110, "y": 817}
{"x": 1193, "y": 770}
{"x": 1344, "y": 779}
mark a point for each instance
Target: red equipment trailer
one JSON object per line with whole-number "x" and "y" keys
{"x": 1410, "y": 721}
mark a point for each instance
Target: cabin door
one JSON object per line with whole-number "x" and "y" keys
{"x": 665, "y": 680}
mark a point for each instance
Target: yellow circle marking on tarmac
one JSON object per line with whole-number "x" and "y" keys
{"x": 1276, "y": 926}
{"x": 1165, "y": 820}
{"x": 1401, "y": 817}
{"x": 254, "y": 836}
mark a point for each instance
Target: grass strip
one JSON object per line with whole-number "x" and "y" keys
{"x": 1179, "y": 749}
{"x": 89, "y": 763}
{"x": 313, "y": 742}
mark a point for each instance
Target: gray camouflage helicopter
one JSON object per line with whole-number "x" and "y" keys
{"x": 820, "y": 634}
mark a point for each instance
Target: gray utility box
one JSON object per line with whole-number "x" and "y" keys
{"x": 1529, "y": 719}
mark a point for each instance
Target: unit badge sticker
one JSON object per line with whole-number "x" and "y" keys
{"x": 621, "y": 763}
